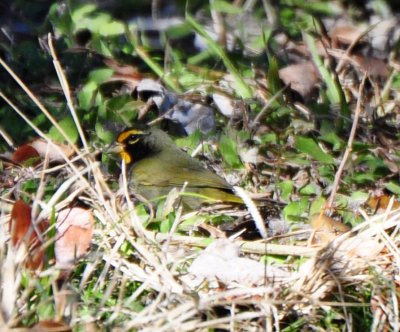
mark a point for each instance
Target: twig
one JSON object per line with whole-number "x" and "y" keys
{"x": 67, "y": 92}
{"x": 245, "y": 246}
{"x": 343, "y": 60}
{"x": 349, "y": 143}
{"x": 267, "y": 106}
{"x": 38, "y": 104}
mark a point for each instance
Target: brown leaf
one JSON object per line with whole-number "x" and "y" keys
{"x": 74, "y": 229}
{"x": 23, "y": 233}
{"x": 302, "y": 50}
{"x": 26, "y": 155}
{"x": 20, "y": 222}
{"x": 345, "y": 34}
{"x": 372, "y": 66}
{"x": 128, "y": 74}
{"x": 326, "y": 228}
{"x": 380, "y": 203}
{"x": 43, "y": 148}
{"x": 51, "y": 326}
{"x": 301, "y": 77}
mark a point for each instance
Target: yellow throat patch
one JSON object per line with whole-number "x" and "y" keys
{"x": 126, "y": 157}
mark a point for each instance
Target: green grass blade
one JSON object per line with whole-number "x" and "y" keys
{"x": 242, "y": 88}
{"x": 334, "y": 90}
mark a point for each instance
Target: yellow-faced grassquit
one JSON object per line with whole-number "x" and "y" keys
{"x": 156, "y": 165}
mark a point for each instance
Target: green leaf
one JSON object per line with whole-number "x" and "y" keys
{"x": 310, "y": 189}
{"x": 112, "y": 28}
{"x": 394, "y": 187}
{"x": 374, "y": 163}
{"x": 269, "y": 138}
{"x": 178, "y": 31}
{"x": 229, "y": 152}
{"x": 328, "y": 134}
{"x": 68, "y": 125}
{"x": 62, "y": 24}
{"x": 286, "y": 189}
{"x": 85, "y": 96}
{"x": 86, "y": 17}
{"x": 190, "y": 80}
{"x": 294, "y": 210}
{"x": 45, "y": 311}
{"x": 225, "y": 7}
{"x": 30, "y": 186}
{"x": 200, "y": 57}
{"x": 123, "y": 112}
{"x": 296, "y": 159}
{"x": 333, "y": 90}
{"x": 308, "y": 146}
{"x": 342, "y": 201}
{"x": 317, "y": 205}
{"x": 190, "y": 142}
{"x": 274, "y": 82}
{"x": 361, "y": 178}
{"x": 167, "y": 223}
{"x": 99, "y": 76}
{"x": 396, "y": 82}
{"x": 358, "y": 197}
{"x": 106, "y": 136}
{"x": 327, "y": 173}
{"x": 81, "y": 12}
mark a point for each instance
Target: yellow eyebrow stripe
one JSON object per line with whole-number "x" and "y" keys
{"x": 123, "y": 136}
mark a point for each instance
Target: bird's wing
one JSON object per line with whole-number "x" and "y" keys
{"x": 173, "y": 171}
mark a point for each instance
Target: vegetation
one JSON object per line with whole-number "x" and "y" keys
{"x": 294, "y": 103}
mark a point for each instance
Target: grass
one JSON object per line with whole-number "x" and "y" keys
{"x": 137, "y": 273}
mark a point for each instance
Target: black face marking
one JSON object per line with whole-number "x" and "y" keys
{"x": 135, "y": 144}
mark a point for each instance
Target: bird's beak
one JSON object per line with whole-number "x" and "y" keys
{"x": 116, "y": 148}
{"x": 119, "y": 148}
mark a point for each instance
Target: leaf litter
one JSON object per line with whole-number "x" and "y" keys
{"x": 181, "y": 283}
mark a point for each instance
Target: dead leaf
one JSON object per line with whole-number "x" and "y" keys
{"x": 345, "y": 34}
{"x": 125, "y": 73}
{"x": 372, "y": 66}
{"x": 277, "y": 226}
{"x": 20, "y": 222}
{"x": 250, "y": 155}
{"x": 380, "y": 203}
{"x": 224, "y": 103}
{"x": 189, "y": 114}
{"x": 24, "y": 235}
{"x": 26, "y": 155}
{"x": 220, "y": 262}
{"x": 44, "y": 147}
{"x": 326, "y": 228}
{"x": 361, "y": 247}
{"x": 301, "y": 49}
{"x": 74, "y": 230}
{"x": 51, "y": 326}
{"x": 301, "y": 77}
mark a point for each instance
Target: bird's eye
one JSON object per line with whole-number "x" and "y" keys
{"x": 133, "y": 139}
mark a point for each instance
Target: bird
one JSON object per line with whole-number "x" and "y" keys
{"x": 156, "y": 165}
